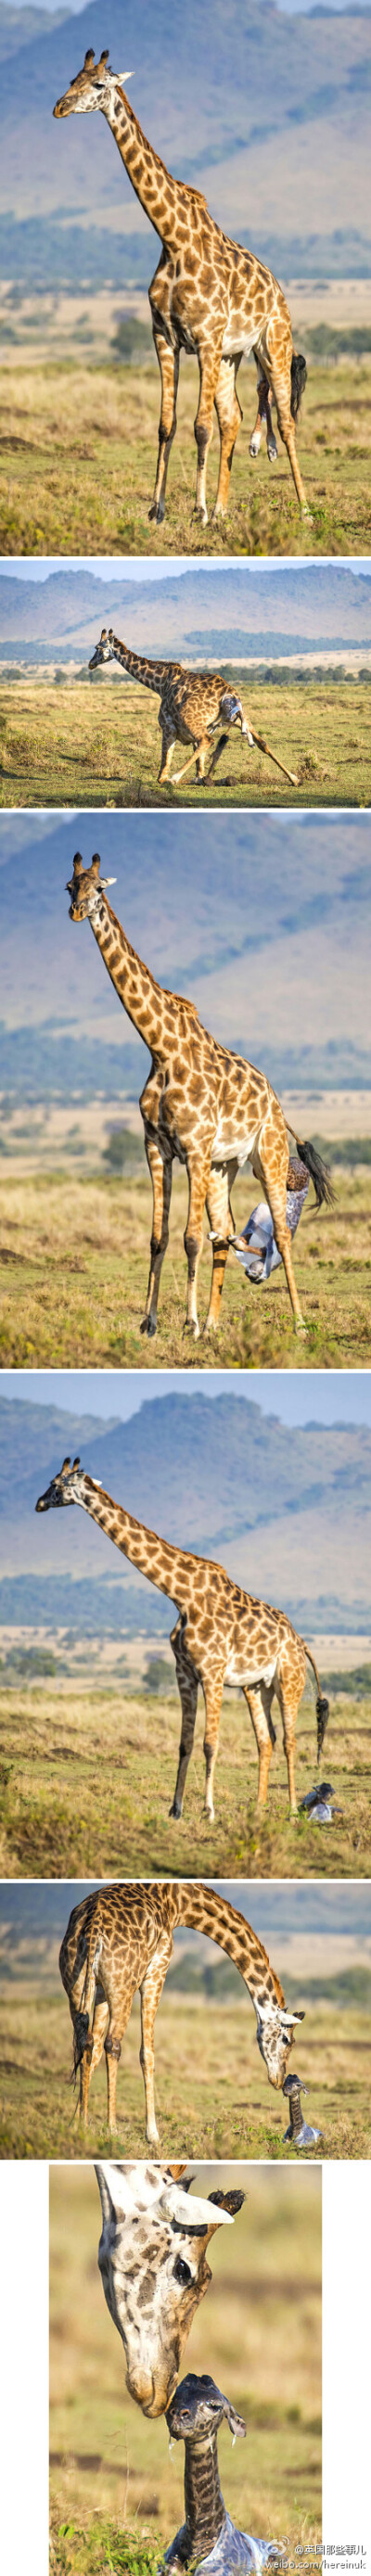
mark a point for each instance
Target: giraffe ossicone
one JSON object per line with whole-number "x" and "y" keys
{"x": 202, "y": 1106}
{"x": 210, "y": 297}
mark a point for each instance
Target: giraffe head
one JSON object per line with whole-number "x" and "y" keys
{"x": 67, "y": 1487}
{"x": 198, "y": 2409}
{"x": 86, "y": 887}
{"x": 91, "y": 88}
{"x": 152, "y": 2259}
{"x": 275, "y": 2034}
{"x": 105, "y": 650}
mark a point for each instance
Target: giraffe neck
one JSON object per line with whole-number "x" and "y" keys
{"x": 151, "y": 674}
{"x": 210, "y": 1913}
{"x": 204, "y": 2503}
{"x": 165, "y": 199}
{"x": 168, "y": 1567}
{"x": 140, "y": 995}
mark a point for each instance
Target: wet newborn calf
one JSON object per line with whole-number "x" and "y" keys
{"x": 208, "y": 2541}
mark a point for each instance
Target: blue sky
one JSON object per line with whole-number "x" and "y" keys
{"x": 327, "y": 1397}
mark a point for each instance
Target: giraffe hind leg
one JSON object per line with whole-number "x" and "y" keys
{"x": 264, "y": 412}
{"x": 229, "y": 416}
{"x": 259, "y": 1698}
{"x": 188, "y": 1691}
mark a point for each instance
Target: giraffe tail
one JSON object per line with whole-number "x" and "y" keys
{"x": 322, "y": 1705}
{"x": 298, "y": 381}
{"x": 83, "y": 2023}
{"x": 318, "y": 1173}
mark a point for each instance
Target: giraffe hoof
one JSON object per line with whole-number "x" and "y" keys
{"x": 193, "y": 1329}
{"x": 149, "y": 1326}
{"x": 299, "y": 1326}
{"x": 254, "y": 446}
{"x": 157, "y": 512}
{"x": 175, "y": 1810}
{"x": 272, "y": 451}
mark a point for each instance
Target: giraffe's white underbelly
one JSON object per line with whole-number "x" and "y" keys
{"x": 239, "y": 337}
{"x": 245, "y": 1667}
{"x": 232, "y": 1143}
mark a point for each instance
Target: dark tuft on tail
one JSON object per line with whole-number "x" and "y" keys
{"x": 318, "y": 1173}
{"x": 80, "y": 2036}
{"x": 323, "y": 1712}
{"x": 298, "y": 381}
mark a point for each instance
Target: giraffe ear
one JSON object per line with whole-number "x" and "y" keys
{"x": 237, "y": 2426}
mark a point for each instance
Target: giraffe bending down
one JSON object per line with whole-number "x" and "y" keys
{"x": 120, "y": 1942}
{"x": 192, "y": 705}
{"x": 209, "y": 296}
{"x": 202, "y": 1107}
{"x": 152, "y": 2260}
{"x": 222, "y": 1635}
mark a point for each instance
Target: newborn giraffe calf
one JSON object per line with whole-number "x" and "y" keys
{"x": 208, "y": 2541}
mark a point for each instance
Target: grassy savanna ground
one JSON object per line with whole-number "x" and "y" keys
{"x": 115, "y": 2493}
{"x": 79, "y": 449}
{"x": 212, "y": 2091}
{"x": 88, "y": 1773}
{"x": 74, "y": 1268}
{"x": 89, "y": 746}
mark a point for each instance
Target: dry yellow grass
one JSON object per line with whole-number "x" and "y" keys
{"x": 78, "y": 453}
{"x": 212, "y": 2091}
{"x": 257, "y": 2331}
{"x": 74, "y": 1269}
{"x": 88, "y": 746}
{"x": 87, "y": 1780}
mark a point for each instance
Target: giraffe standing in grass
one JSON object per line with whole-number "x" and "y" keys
{"x": 209, "y": 296}
{"x": 121, "y": 1941}
{"x": 201, "y": 1106}
{"x": 222, "y": 1635}
{"x": 192, "y": 705}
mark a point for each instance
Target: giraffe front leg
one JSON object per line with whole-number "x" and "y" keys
{"x": 229, "y": 415}
{"x": 221, "y": 1228}
{"x": 259, "y": 1700}
{"x": 209, "y": 365}
{"x": 161, "y": 1170}
{"x": 150, "y": 1992}
{"x": 188, "y": 1690}
{"x": 193, "y": 1239}
{"x": 168, "y": 360}
{"x": 213, "y": 1694}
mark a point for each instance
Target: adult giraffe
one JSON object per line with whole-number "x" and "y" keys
{"x": 152, "y": 2262}
{"x": 120, "y": 1942}
{"x": 192, "y": 705}
{"x": 222, "y": 1635}
{"x": 209, "y": 296}
{"x": 201, "y": 1106}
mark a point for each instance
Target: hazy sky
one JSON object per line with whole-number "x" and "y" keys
{"x": 324, "y": 1396}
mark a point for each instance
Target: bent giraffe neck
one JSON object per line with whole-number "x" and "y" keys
{"x": 164, "y": 199}
{"x": 141, "y": 997}
{"x": 204, "y": 2504}
{"x": 167, "y": 1567}
{"x": 152, "y": 675}
{"x": 202, "y": 1907}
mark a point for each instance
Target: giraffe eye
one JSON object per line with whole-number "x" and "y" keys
{"x": 182, "y": 2271}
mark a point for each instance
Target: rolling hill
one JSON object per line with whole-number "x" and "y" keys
{"x": 229, "y": 610}
{"x": 288, "y": 1511}
{"x": 267, "y": 947}
{"x": 268, "y": 113}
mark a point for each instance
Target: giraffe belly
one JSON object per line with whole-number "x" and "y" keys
{"x": 233, "y": 1144}
{"x": 245, "y": 1668}
{"x": 240, "y": 336}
